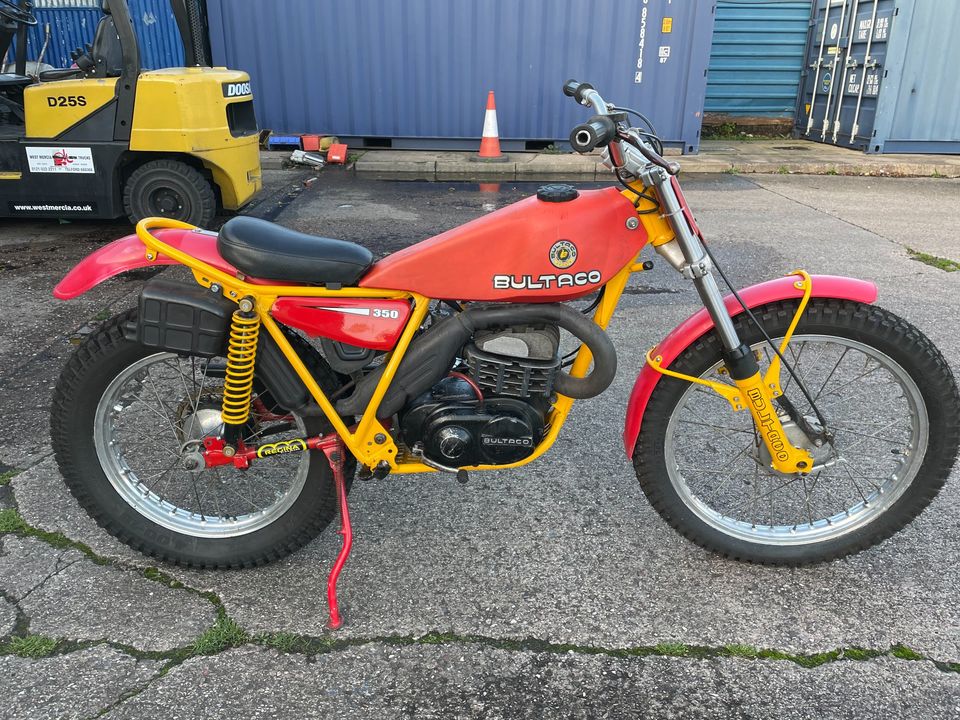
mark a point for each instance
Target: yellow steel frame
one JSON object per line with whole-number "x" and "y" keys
{"x": 363, "y": 439}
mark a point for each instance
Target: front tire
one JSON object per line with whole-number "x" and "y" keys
{"x": 890, "y": 402}
{"x": 120, "y": 411}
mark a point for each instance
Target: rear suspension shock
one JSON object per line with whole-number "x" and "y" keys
{"x": 241, "y": 358}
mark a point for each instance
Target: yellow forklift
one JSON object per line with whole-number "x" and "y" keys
{"x": 103, "y": 139}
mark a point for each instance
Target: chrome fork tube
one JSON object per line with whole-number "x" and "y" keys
{"x": 698, "y": 266}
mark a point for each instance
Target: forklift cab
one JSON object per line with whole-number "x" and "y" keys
{"x": 104, "y": 138}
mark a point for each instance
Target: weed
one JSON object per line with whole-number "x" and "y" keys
{"x": 783, "y": 170}
{"x": 223, "y": 634}
{"x": 732, "y": 171}
{"x": 742, "y": 651}
{"x": 940, "y": 263}
{"x": 32, "y": 646}
{"x": 671, "y": 649}
{"x": 11, "y": 522}
{"x": 902, "y": 652}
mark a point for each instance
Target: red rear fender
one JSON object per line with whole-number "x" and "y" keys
{"x": 128, "y": 253}
{"x": 698, "y": 324}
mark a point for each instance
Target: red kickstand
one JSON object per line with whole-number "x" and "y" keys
{"x": 334, "y": 451}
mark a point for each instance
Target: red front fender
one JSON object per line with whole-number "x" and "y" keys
{"x": 128, "y": 253}
{"x": 698, "y": 324}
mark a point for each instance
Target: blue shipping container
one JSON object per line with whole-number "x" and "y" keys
{"x": 882, "y": 76}
{"x": 73, "y": 23}
{"x": 757, "y": 57}
{"x": 415, "y": 73}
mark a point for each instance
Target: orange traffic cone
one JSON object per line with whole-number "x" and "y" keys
{"x": 490, "y": 142}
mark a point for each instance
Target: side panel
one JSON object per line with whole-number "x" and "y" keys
{"x": 530, "y": 251}
{"x": 364, "y": 322}
{"x": 129, "y": 253}
{"x": 53, "y": 107}
{"x": 698, "y": 324}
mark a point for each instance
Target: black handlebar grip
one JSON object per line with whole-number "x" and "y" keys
{"x": 576, "y": 89}
{"x": 598, "y": 131}
{"x": 570, "y": 87}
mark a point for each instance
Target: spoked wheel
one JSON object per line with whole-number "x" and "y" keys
{"x": 128, "y": 428}
{"x": 892, "y": 430}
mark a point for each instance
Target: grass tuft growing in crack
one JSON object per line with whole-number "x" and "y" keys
{"x": 945, "y": 264}
{"x": 902, "y": 652}
{"x": 30, "y": 646}
{"x": 12, "y": 522}
{"x": 741, "y": 651}
{"x": 9, "y": 475}
{"x": 671, "y": 650}
{"x": 224, "y": 634}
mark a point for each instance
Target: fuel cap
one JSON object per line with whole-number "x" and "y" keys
{"x": 558, "y": 192}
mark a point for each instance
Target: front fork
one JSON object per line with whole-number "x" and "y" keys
{"x": 752, "y": 391}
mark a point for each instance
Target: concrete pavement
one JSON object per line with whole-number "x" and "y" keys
{"x": 550, "y": 591}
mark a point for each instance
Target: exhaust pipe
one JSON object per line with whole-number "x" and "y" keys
{"x": 431, "y": 355}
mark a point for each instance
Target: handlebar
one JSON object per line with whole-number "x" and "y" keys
{"x": 604, "y": 127}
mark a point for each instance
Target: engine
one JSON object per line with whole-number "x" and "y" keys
{"x": 490, "y": 412}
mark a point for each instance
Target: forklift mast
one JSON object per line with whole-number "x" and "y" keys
{"x": 190, "y": 22}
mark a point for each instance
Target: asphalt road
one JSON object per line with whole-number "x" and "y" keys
{"x": 548, "y": 591}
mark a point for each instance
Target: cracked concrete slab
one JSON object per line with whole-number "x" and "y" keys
{"x": 568, "y": 549}
{"x": 76, "y": 685}
{"x": 8, "y": 617}
{"x": 65, "y": 595}
{"x": 469, "y": 681}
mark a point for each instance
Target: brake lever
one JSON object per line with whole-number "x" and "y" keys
{"x": 650, "y": 154}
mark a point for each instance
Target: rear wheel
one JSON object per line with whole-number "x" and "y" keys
{"x": 127, "y": 423}
{"x": 169, "y": 188}
{"x": 893, "y": 428}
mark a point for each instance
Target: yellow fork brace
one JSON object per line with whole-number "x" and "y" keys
{"x": 756, "y": 395}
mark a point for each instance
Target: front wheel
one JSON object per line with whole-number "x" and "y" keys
{"x": 892, "y": 415}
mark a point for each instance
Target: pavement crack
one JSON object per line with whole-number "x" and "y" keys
{"x": 824, "y": 212}
{"x": 56, "y": 571}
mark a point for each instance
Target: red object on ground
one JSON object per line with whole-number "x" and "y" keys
{"x": 490, "y": 139}
{"x": 698, "y": 324}
{"x": 337, "y": 154}
{"x": 310, "y": 143}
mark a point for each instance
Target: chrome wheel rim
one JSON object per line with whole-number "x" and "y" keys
{"x": 152, "y": 416}
{"x": 715, "y": 460}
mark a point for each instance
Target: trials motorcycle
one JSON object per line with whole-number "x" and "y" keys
{"x": 222, "y": 422}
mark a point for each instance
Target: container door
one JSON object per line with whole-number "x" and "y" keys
{"x": 843, "y": 82}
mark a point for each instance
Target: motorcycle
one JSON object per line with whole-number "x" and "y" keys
{"x": 222, "y": 422}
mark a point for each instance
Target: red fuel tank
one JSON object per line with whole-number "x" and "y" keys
{"x": 530, "y": 251}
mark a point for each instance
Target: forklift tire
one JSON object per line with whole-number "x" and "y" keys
{"x": 169, "y": 188}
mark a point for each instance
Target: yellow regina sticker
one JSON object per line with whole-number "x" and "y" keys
{"x": 284, "y": 446}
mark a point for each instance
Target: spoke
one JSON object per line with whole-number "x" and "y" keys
{"x": 892, "y": 441}
{"x": 165, "y": 416}
{"x": 855, "y": 483}
{"x": 830, "y": 374}
{"x": 870, "y": 437}
{"x": 858, "y": 377}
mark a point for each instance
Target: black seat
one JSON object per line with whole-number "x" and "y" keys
{"x": 267, "y": 250}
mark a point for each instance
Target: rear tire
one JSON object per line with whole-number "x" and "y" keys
{"x": 169, "y": 188}
{"x": 284, "y": 525}
{"x": 704, "y": 470}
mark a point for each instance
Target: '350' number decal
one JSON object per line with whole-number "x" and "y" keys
{"x": 386, "y": 313}
{"x": 66, "y": 101}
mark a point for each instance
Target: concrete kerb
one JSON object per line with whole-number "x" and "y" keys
{"x": 769, "y": 156}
